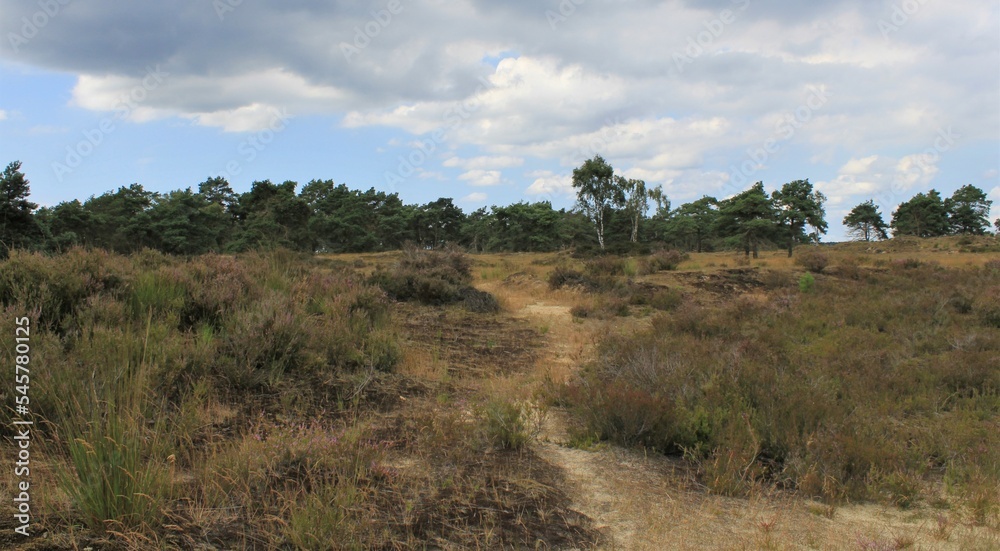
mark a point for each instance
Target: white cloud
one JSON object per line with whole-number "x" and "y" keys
{"x": 562, "y": 95}
{"x": 3, "y": 115}
{"x": 481, "y": 178}
{"x": 484, "y": 162}
{"x": 887, "y": 180}
{"x": 474, "y": 198}
{"x": 550, "y": 184}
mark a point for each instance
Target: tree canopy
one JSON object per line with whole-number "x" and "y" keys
{"x": 612, "y": 214}
{"x": 925, "y": 215}
{"x": 865, "y": 222}
{"x": 968, "y": 210}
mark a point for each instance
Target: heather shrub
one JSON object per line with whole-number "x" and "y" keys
{"x": 605, "y": 266}
{"x": 862, "y": 392}
{"x": 562, "y": 276}
{"x": 666, "y": 299}
{"x": 662, "y": 260}
{"x": 813, "y": 261}
{"x": 478, "y": 301}
{"x": 433, "y": 277}
{"x": 129, "y": 346}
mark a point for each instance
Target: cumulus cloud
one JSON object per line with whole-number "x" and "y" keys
{"x": 481, "y": 178}
{"x": 548, "y": 183}
{"x": 3, "y": 115}
{"x": 505, "y": 85}
{"x": 886, "y": 180}
{"x": 484, "y": 162}
{"x": 474, "y": 198}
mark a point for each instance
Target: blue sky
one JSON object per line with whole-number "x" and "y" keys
{"x": 494, "y": 103}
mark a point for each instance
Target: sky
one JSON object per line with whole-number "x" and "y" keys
{"x": 492, "y": 103}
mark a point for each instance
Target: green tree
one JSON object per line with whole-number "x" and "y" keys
{"x": 67, "y": 224}
{"x": 596, "y": 192}
{"x": 120, "y": 220}
{"x": 477, "y": 229}
{"x": 18, "y": 228}
{"x": 750, "y": 216}
{"x": 924, "y": 215}
{"x": 341, "y": 219}
{"x": 187, "y": 223}
{"x": 272, "y": 216}
{"x": 798, "y": 206}
{"x": 865, "y": 222}
{"x": 525, "y": 227}
{"x": 635, "y": 203}
{"x": 693, "y": 222}
{"x": 217, "y": 190}
{"x": 438, "y": 223}
{"x": 968, "y": 210}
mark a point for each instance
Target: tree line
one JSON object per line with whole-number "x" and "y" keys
{"x": 612, "y": 214}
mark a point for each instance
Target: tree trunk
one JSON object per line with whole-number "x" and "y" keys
{"x": 600, "y": 232}
{"x": 791, "y": 239}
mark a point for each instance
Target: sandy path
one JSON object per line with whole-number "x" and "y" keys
{"x": 652, "y": 502}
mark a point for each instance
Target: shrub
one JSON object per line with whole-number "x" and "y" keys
{"x": 775, "y": 279}
{"x": 428, "y": 276}
{"x": 479, "y": 302}
{"x": 859, "y": 392}
{"x": 662, "y": 260}
{"x": 505, "y": 424}
{"x": 813, "y": 261}
{"x": 806, "y": 283}
{"x": 666, "y": 299}
{"x": 581, "y": 311}
{"x": 605, "y": 266}
{"x": 434, "y": 277}
{"x": 562, "y": 276}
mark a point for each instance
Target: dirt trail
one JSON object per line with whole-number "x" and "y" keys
{"x": 641, "y": 502}
{"x": 605, "y": 483}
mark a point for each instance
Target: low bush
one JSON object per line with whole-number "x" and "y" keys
{"x": 813, "y": 261}
{"x": 806, "y": 283}
{"x": 434, "y": 277}
{"x": 662, "y": 260}
{"x": 562, "y": 276}
{"x": 605, "y": 266}
{"x": 506, "y": 424}
{"x": 865, "y": 391}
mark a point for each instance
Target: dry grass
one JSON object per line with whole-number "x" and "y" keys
{"x": 462, "y": 441}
